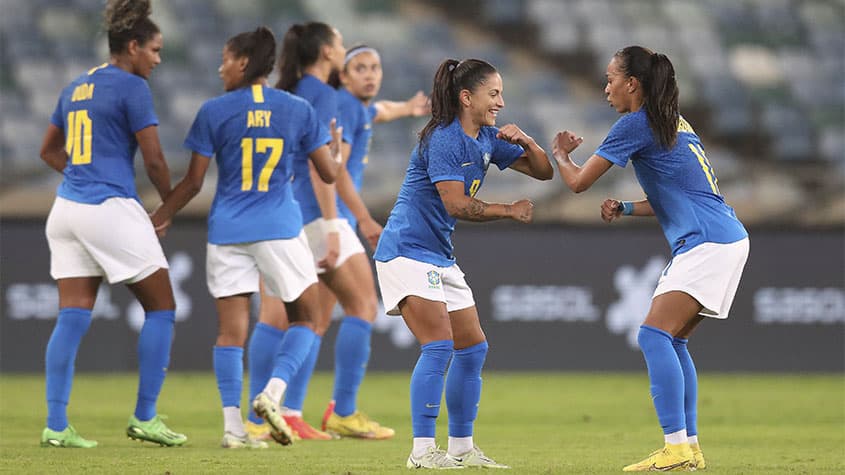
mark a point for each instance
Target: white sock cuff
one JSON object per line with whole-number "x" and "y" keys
{"x": 676, "y": 438}
{"x": 422, "y": 444}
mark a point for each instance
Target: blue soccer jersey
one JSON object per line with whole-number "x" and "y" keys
{"x": 419, "y": 227}
{"x": 358, "y": 119}
{"x": 253, "y": 132}
{"x": 679, "y": 182}
{"x": 324, "y": 100}
{"x": 100, "y": 112}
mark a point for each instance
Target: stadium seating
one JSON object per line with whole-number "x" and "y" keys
{"x": 762, "y": 81}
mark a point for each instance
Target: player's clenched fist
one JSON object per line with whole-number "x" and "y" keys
{"x": 522, "y": 210}
{"x": 565, "y": 142}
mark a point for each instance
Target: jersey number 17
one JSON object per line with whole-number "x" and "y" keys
{"x": 261, "y": 145}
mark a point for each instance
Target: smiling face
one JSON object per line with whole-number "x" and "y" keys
{"x": 144, "y": 58}
{"x": 232, "y": 70}
{"x": 483, "y": 104}
{"x": 362, "y": 76}
{"x": 621, "y": 90}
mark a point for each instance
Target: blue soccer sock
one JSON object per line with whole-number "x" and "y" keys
{"x": 690, "y": 385}
{"x": 153, "y": 359}
{"x": 229, "y": 370}
{"x": 71, "y": 326}
{"x": 351, "y": 353}
{"x": 666, "y": 376}
{"x": 463, "y": 388}
{"x": 427, "y": 386}
{"x": 292, "y": 352}
{"x": 298, "y": 386}
{"x": 261, "y": 354}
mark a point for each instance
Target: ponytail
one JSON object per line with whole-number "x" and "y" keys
{"x": 451, "y": 78}
{"x": 301, "y": 48}
{"x": 660, "y": 90}
{"x": 260, "y": 47}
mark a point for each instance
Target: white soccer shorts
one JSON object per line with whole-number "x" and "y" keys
{"x": 400, "y": 277}
{"x": 710, "y": 273}
{"x": 349, "y": 242}
{"x": 114, "y": 239}
{"x": 285, "y": 264}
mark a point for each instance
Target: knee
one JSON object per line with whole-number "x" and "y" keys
{"x": 228, "y": 335}
{"x": 648, "y": 337}
{"x": 362, "y": 306}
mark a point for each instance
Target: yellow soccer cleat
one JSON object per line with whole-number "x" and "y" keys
{"x": 357, "y": 425}
{"x": 698, "y": 457}
{"x": 258, "y": 431}
{"x": 671, "y": 458}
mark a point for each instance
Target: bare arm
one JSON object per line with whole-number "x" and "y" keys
{"x": 53, "y": 148}
{"x": 183, "y": 193}
{"x": 327, "y": 160}
{"x": 347, "y": 192}
{"x": 612, "y": 209}
{"x": 154, "y": 161}
{"x": 416, "y": 106}
{"x": 577, "y": 178}
{"x": 534, "y": 161}
{"x": 464, "y": 207}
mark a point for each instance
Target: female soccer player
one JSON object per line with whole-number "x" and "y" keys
{"x": 97, "y": 226}
{"x": 417, "y": 273}
{"x": 709, "y": 244}
{"x": 361, "y": 79}
{"x": 255, "y": 226}
{"x": 311, "y": 52}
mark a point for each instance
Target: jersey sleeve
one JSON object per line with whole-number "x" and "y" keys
{"x": 350, "y": 117}
{"x": 58, "y": 117}
{"x": 504, "y": 153}
{"x": 315, "y": 133}
{"x": 444, "y": 157}
{"x": 629, "y": 135}
{"x": 140, "y": 111}
{"x": 325, "y": 104}
{"x": 200, "y": 138}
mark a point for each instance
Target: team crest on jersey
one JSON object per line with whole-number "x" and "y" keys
{"x": 433, "y": 279}
{"x": 486, "y": 160}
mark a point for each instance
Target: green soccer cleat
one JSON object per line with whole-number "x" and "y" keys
{"x": 232, "y": 441}
{"x": 435, "y": 458}
{"x": 671, "y": 458}
{"x": 476, "y": 458}
{"x": 698, "y": 457}
{"x": 67, "y": 438}
{"x": 154, "y": 430}
{"x": 268, "y": 410}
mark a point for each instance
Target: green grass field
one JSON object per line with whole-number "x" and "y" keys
{"x": 536, "y": 422}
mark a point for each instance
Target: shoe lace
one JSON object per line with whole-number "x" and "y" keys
{"x": 439, "y": 456}
{"x": 480, "y": 455}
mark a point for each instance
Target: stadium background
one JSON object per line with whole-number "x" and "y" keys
{"x": 762, "y": 81}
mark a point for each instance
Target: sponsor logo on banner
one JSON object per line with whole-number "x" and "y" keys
{"x": 790, "y": 305}
{"x": 40, "y": 301}
{"x": 543, "y": 303}
{"x": 635, "y": 288}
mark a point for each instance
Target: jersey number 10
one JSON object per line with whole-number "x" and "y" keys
{"x": 261, "y": 146}
{"x": 78, "y": 140}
